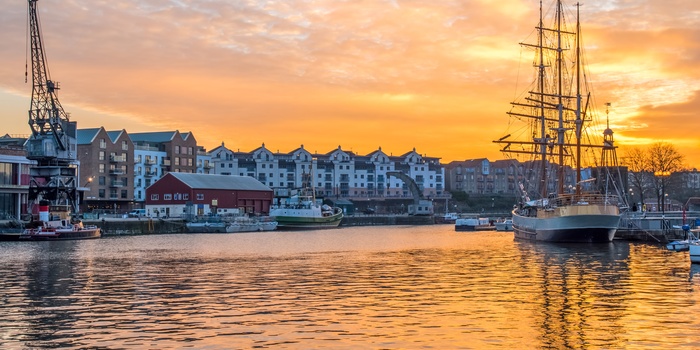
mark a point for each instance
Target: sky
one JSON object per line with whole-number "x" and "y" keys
{"x": 437, "y": 76}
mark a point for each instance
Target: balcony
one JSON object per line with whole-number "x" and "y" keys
{"x": 151, "y": 161}
{"x": 117, "y": 159}
{"x": 116, "y": 184}
{"x": 150, "y": 174}
{"x": 116, "y": 171}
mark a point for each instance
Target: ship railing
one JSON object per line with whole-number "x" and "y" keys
{"x": 585, "y": 199}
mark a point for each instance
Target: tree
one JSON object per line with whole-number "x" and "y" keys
{"x": 637, "y": 162}
{"x": 664, "y": 160}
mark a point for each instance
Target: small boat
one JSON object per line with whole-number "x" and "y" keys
{"x": 683, "y": 245}
{"x": 246, "y": 224}
{"x": 694, "y": 249}
{"x": 473, "y": 224}
{"x": 448, "y": 218}
{"x": 206, "y": 226}
{"x": 504, "y": 225}
{"x": 64, "y": 229}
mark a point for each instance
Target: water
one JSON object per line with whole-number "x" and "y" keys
{"x": 362, "y": 287}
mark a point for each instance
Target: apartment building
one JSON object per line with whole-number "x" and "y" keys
{"x": 158, "y": 153}
{"x": 106, "y": 171}
{"x": 14, "y": 178}
{"x": 337, "y": 173}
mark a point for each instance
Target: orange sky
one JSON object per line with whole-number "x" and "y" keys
{"x": 435, "y": 75}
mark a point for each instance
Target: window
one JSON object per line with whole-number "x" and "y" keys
{"x": 200, "y": 196}
{"x": 177, "y": 160}
{"x": 101, "y": 168}
{"x": 125, "y": 146}
{"x": 154, "y": 197}
{"x": 101, "y": 193}
{"x": 123, "y": 194}
{"x": 186, "y": 196}
{"x": 177, "y": 149}
{"x": 101, "y": 155}
{"x": 189, "y": 161}
{"x": 101, "y": 180}
{"x": 103, "y": 143}
{"x": 167, "y": 196}
{"x": 189, "y": 150}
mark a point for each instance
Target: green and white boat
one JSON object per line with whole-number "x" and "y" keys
{"x": 303, "y": 212}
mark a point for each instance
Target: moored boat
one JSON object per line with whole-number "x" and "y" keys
{"x": 504, "y": 225}
{"x": 206, "y": 226}
{"x": 694, "y": 248}
{"x": 64, "y": 229}
{"x": 302, "y": 212}
{"x": 473, "y": 224}
{"x": 558, "y": 113}
{"x": 246, "y": 224}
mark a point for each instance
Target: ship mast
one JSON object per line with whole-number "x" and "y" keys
{"x": 579, "y": 121}
{"x": 560, "y": 101}
{"x": 543, "y": 123}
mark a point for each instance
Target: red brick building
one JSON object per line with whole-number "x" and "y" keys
{"x": 178, "y": 194}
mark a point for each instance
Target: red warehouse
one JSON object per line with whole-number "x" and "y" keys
{"x": 178, "y": 194}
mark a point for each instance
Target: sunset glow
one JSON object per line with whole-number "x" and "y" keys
{"x": 437, "y": 76}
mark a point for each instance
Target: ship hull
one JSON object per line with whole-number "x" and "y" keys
{"x": 589, "y": 228}
{"x": 308, "y": 223}
{"x": 65, "y": 235}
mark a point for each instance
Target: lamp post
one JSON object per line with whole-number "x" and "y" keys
{"x": 663, "y": 175}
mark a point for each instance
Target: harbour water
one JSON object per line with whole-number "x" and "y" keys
{"x": 348, "y": 288}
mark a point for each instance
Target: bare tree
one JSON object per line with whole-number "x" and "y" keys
{"x": 664, "y": 160}
{"x": 637, "y": 162}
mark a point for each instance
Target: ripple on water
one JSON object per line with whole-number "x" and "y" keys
{"x": 380, "y": 287}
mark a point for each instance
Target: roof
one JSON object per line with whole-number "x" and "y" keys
{"x": 114, "y": 135}
{"x": 220, "y": 182}
{"x": 158, "y": 136}
{"x": 86, "y": 136}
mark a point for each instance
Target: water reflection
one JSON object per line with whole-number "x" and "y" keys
{"x": 386, "y": 287}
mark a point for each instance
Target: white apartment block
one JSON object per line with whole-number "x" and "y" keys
{"x": 337, "y": 173}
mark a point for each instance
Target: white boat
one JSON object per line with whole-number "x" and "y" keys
{"x": 473, "y": 224}
{"x": 694, "y": 246}
{"x": 206, "y": 226}
{"x": 684, "y": 244}
{"x": 557, "y": 112}
{"x": 504, "y": 225}
{"x": 448, "y": 218}
{"x": 246, "y": 224}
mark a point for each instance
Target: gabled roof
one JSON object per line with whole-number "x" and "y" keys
{"x": 86, "y": 136}
{"x": 114, "y": 135}
{"x": 220, "y": 182}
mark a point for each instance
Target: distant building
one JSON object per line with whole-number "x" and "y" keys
{"x": 106, "y": 171}
{"x": 14, "y": 178}
{"x": 158, "y": 153}
{"x": 181, "y": 194}
{"x": 338, "y": 173}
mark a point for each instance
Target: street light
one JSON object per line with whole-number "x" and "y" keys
{"x": 663, "y": 175}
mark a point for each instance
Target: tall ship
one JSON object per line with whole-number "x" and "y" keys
{"x": 553, "y": 136}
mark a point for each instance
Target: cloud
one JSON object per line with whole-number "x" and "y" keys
{"x": 435, "y": 75}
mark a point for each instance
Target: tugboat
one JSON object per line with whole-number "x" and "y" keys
{"x": 60, "y": 227}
